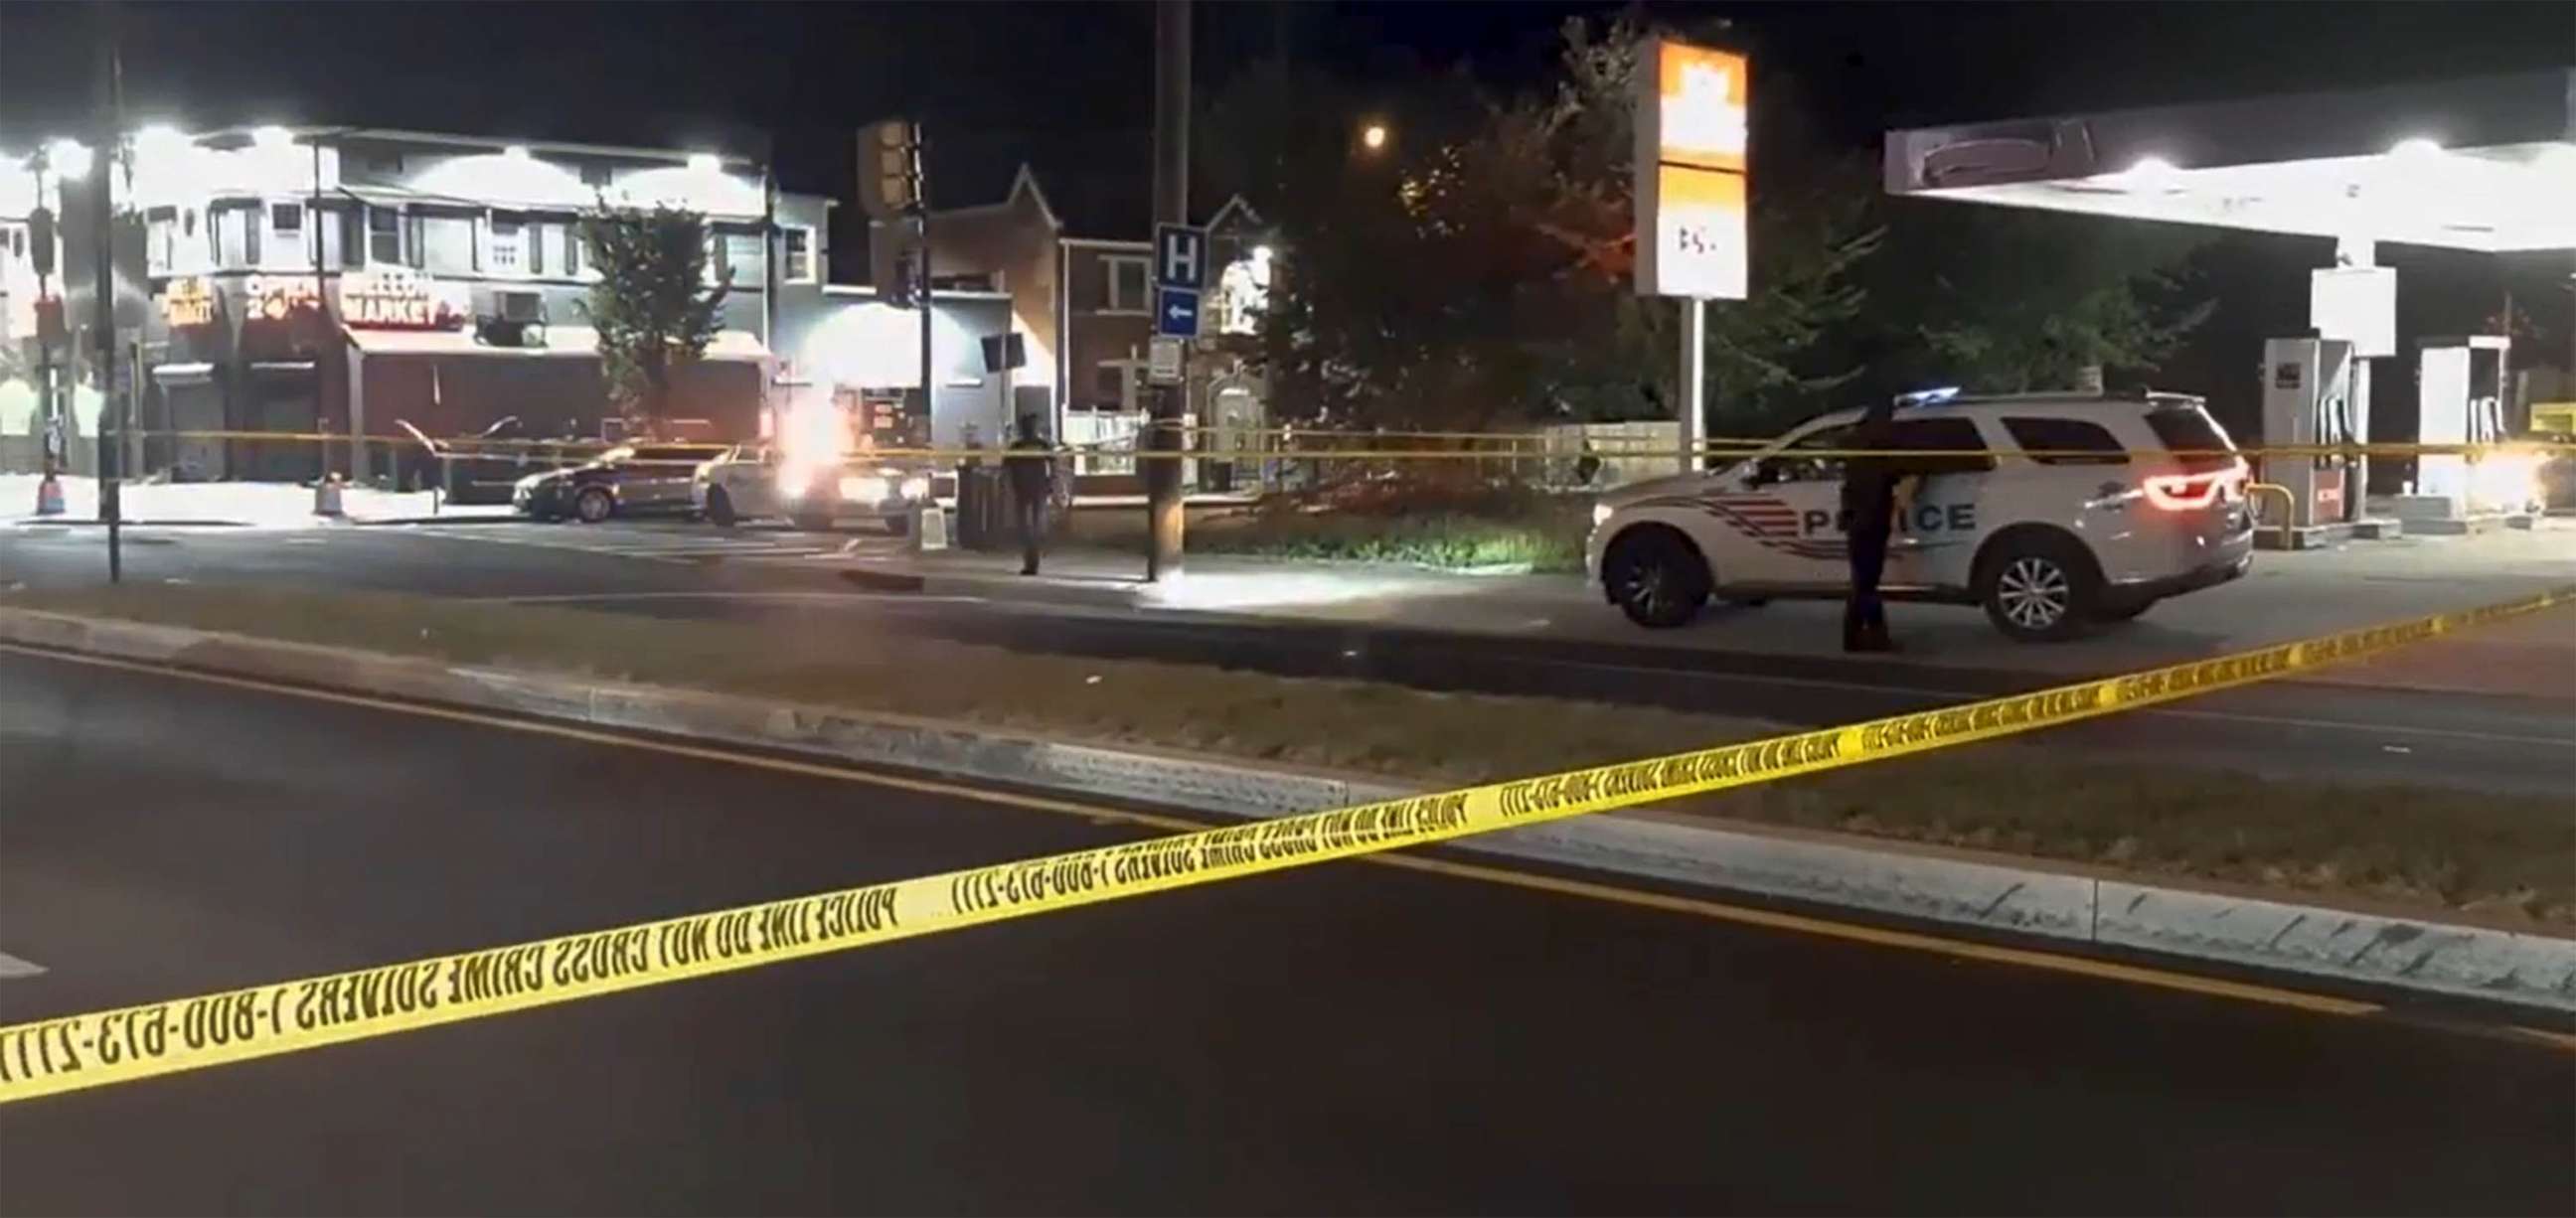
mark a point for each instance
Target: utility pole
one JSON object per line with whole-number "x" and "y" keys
{"x": 1163, "y": 430}
{"x": 43, "y": 245}
{"x": 103, "y": 239}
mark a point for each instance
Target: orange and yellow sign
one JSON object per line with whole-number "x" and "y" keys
{"x": 1692, "y": 115}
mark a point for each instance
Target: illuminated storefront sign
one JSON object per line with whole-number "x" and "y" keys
{"x": 1692, "y": 110}
{"x": 278, "y": 297}
{"x": 398, "y": 298}
{"x": 189, "y": 301}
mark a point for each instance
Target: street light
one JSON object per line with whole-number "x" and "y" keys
{"x": 1373, "y": 136}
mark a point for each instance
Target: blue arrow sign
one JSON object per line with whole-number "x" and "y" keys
{"x": 1176, "y": 313}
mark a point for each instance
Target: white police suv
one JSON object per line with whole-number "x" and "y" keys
{"x": 2053, "y": 511}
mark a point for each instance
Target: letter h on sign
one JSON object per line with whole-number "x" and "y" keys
{"x": 1180, "y": 256}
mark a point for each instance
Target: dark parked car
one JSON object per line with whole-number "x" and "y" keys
{"x": 629, "y": 480}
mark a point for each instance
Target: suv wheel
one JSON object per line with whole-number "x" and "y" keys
{"x": 593, "y": 505}
{"x": 2039, "y": 589}
{"x": 1656, "y": 578}
{"x": 719, "y": 508}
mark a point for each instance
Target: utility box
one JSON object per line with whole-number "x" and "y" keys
{"x": 2308, "y": 402}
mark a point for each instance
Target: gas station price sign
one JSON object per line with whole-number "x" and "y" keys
{"x": 1692, "y": 110}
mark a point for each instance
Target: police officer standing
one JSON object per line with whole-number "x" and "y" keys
{"x": 1031, "y": 465}
{"x": 1869, "y": 511}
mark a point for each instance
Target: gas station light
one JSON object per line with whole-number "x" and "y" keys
{"x": 704, "y": 162}
{"x": 272, "y": 136}
{"x": 2151, "y": 173}
{"x": 2416, "y": 150}
{"x": 516, "y": 152}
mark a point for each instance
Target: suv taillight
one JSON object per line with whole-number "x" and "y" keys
{"x": 2190, "y": 492}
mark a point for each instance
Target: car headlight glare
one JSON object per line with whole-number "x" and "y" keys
{"x": 916, "y": 488}
{"x": 863, "y": 489}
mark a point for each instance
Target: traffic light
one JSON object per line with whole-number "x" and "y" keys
{"x": 890, "y": 168}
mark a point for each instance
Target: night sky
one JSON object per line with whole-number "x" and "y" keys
{"x": 1066, "y": 86}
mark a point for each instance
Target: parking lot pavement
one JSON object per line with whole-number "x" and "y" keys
{"x": 679, "y": 542}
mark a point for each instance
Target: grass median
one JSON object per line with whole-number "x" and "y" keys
{"x": 2512, "y": 857}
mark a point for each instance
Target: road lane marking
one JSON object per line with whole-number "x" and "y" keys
{"x": 860, "y": 595}
{"x": 13, "y": 968}
{"x": 1807, "y": 924}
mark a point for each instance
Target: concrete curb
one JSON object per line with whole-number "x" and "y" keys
{"x": 2524, "y": 969}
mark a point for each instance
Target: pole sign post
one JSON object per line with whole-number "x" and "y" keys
{"x": 1180, "y": 269}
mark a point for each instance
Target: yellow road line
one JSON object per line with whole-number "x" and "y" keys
{"x": 1879, "y": 936}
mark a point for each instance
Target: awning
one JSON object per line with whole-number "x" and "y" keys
{"x": 2486, "y": 164}
{"x": 562, "y": 342}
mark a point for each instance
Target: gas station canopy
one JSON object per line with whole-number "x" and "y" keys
{"x": 2485, "y": 164}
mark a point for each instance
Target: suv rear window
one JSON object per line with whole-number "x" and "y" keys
{"x": 2065, "y": 441}
{"x": 2190, "y": 429}
{"x": 1951, "y": 435}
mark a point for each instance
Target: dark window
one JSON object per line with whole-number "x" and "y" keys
{"x": 595, "y": 174}
{"x": 572, "y": 248}
{"x": 2065, "y": 441}
{"x": 799, "y": 258}
{"x": 384, "y": 235}
{"x": 1950, "y": 435}
{"x": 2189, "y": 429}
{"x": 286, "y": 217}
{"x": 1110, "y": 382}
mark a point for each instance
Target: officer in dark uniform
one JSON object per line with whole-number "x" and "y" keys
{"x": 1031, "y": 466}
{"x": 1869, "y": 518}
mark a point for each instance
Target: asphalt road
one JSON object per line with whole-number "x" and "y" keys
{"x": 785, "y": 581}
{"x": 1341, "y": 1038}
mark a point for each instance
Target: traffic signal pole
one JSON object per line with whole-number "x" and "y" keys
{"x": 1163, "y": 435}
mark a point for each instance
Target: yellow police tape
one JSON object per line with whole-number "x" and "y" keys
{"x": 77, "y": 1051}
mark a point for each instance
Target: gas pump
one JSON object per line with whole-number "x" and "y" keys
{"x": 2460, "y": 388}
{"x": 2308, "y": 402}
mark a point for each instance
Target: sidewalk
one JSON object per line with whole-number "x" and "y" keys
{"x": 2288, "y": 596}
{"x": 258, "y": 505}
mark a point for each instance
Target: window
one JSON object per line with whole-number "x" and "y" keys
{"x": 1124, "y": 291}
{"x": 1951, "y": 435}
{"x": 572, "y": 250}
{"x": 507, "y": 233}
{"x": 535, "y": 244}
{"x": 596, "y": 174}
{"x": 447, "y": 245}
{"x": 740, "y": 255}
{"x": 2065, "y": 441}
{"x": 286, "y": 219}
{"x": 384, "y": 236}
{"x": 236, "y": 237}
{"x": 1793, "y": 466}
{"x": 160, "y": 242}
{"x": 2189, "y": 429}
{"x": 1109, "y": 382}
{"x": 796, "y": 255}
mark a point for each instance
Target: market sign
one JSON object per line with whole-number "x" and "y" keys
{"x": 188, "y": 301}
{"x": 397, "y": 298}
{"x": 1692, "y": 111}
{"x": 278, "y": 297}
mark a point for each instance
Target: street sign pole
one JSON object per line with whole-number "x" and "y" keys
{"x": 1162, "y": 440}
{"x": 103, "y": 238}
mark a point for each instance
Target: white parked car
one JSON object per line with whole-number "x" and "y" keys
{"x": 2059, "y": 510}
{"x": 753, "y": 481}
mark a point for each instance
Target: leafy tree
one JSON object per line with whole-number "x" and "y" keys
{"x": 2004, "y": 301}
{"x": 652, "y": 306}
